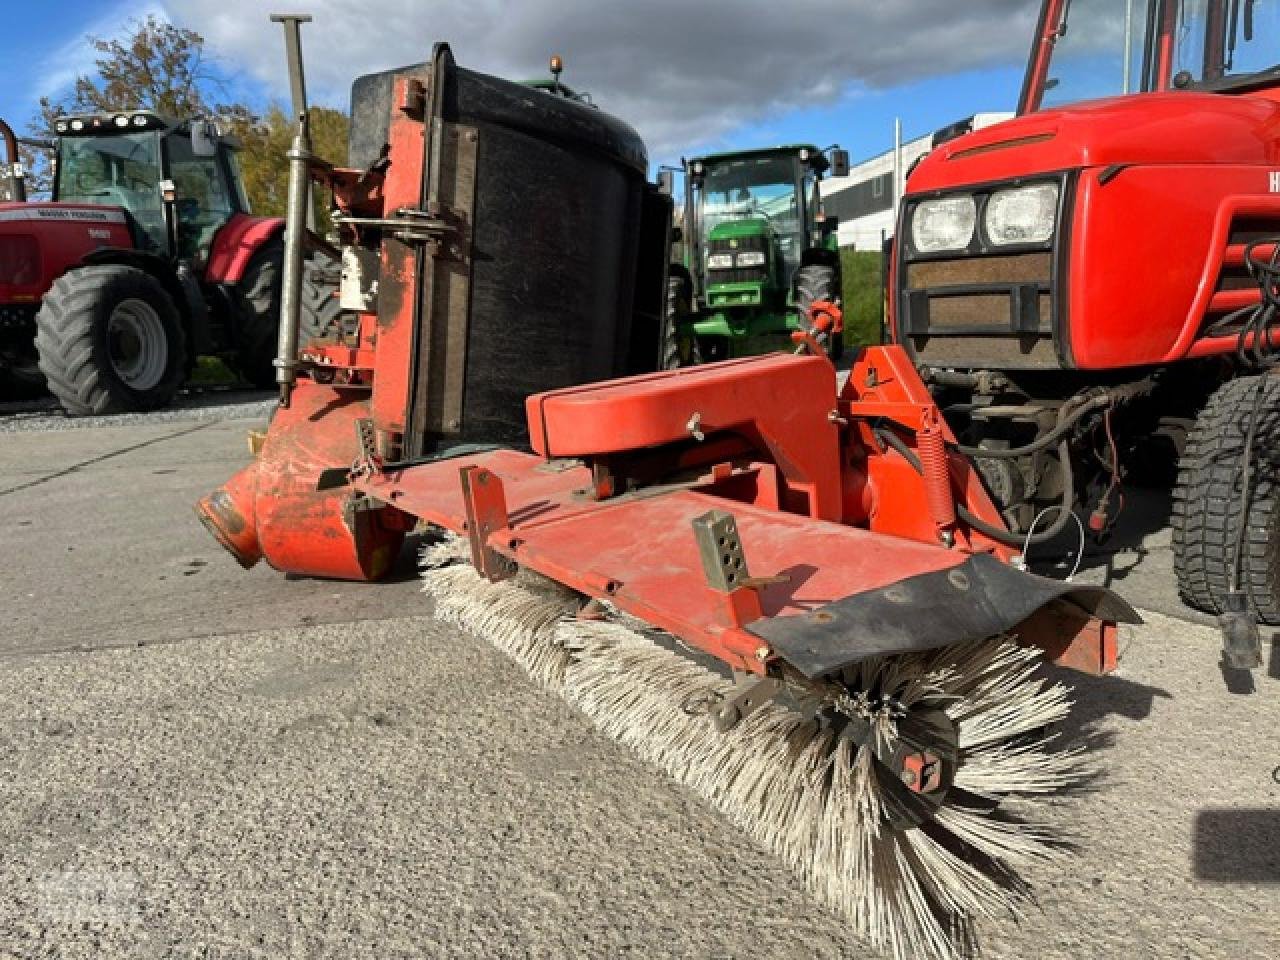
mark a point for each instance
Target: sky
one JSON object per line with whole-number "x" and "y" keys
{"x": 690, "y": 75}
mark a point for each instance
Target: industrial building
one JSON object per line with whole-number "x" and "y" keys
{"x": 866, "y": 200}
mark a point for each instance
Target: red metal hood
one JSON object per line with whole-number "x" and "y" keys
{"x": 1157, "y": 128}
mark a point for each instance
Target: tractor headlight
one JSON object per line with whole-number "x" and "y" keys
{"x": 1022, "y": 214}
{"x": 720, "y": 261}
{"x": 944, "y": 223}
{"x": 751, "y": 258}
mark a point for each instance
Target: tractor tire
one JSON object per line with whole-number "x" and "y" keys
{"x": 817, "y": 282}
{"x": 322, "y": 313}
{"x": 1206, "y": 501}
{"x": 260, "y": 300}
{"x": 678, "y": 305}
{"x": 110, "y": 340}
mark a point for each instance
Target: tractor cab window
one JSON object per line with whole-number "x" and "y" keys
{"x": 118, "y": 171}
{"x": 1103, "y": 48}
{"x": 756, "y": 188}
{"x": 1099, "y": 50}
{"x": 205, "y": 201}
{"x": 1221, "y": 41}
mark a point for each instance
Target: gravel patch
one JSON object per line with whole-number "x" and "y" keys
{"x": 191, "y": 405}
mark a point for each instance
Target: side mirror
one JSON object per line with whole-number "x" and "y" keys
{"x": 666, "y": 183}
{"x": 839, "y": 163}
{"x": 677, "y": 235}
{"x": 831, "y": 223}
{"x": 204, "y": 138}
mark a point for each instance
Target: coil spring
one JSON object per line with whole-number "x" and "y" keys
{"x": 937, "y": 473}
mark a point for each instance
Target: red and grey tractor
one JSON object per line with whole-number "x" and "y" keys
{"x": 1094, "y": 278}
{"x": 145, "y": 258}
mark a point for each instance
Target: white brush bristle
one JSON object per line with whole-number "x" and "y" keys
{"x": 806, "y": 794}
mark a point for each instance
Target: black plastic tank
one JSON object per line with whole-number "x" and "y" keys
{"x": 565, "y": 282}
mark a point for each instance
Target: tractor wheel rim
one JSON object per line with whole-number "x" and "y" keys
{"x": 136, "y": 344}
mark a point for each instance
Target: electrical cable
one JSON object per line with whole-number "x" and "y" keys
{"x": 1026, "y": 547}
{"x": 1115, "y": 487}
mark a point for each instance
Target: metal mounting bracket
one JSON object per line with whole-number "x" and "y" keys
{"x": 486, "y": 504}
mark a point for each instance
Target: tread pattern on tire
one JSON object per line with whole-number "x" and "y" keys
{"x": 67, "y": 341}
{"x": 322, "y": 313}
{"x": 1206, "y": 501}
{"x": 677, "y": 304}
{"x": 818, "y": 282}
{"x": 259, "y": 291}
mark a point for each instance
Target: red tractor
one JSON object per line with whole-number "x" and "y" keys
{"x": 1086, "y": 281}
{"x": 145, "y": 258}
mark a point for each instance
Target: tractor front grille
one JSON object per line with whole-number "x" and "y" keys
{"x": 993, "y": 310}
{"x": 734, "y": 247}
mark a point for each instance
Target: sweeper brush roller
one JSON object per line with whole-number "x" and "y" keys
{"x": 794, "y": 780}
{"x": 767, "y": 588}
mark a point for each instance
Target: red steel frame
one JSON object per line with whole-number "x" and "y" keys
{"x": 825, "y": 505}
{"x": 823, "y": 510}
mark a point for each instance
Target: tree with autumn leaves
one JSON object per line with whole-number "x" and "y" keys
{"x": 164, "y": 68}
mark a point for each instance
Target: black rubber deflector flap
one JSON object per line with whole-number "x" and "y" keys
{"x": 979, "y": 598}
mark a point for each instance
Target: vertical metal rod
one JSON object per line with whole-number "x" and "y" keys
{"x": 286, "y": 361}
{"x": 292, "y": 23}
{"x": 1128, "y": 43}
{"x": 897, "y": 163}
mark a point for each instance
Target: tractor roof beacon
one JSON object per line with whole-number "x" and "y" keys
{"x": 1080, "y": 286}
{"x": 146, "y": 257}
{"x": 758, "y": 252}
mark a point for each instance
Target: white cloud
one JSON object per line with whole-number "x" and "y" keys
{"x": 683, "y": 72}
{"x": 55, "y": 72}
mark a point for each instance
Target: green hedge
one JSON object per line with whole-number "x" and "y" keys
{"x": 862, "y": 296}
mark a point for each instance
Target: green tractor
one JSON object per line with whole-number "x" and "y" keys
{"x": 757, "y": 251}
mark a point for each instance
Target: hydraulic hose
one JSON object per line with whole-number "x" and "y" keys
{"x": 1006, "y": 537}
{"x": 1068, "y": 417}
{"x": 1048, "y": 533}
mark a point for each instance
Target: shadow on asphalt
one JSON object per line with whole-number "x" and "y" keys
{"x": 1237, "y": 846}
{"x": 1147, "y": 511}
{"x": 1096, "y": 698}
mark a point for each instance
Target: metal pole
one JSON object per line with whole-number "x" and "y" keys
{"x": 897, "y": 164}
{"x": 1128, "y": 42}
{"x": 286, "y": 362}
{"x": 297, "y": 78}
{"x": 884, "y": 282}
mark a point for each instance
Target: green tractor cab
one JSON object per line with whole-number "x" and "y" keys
{"x": 757, "y": 251}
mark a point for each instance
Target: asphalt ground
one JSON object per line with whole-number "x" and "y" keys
{"x": 199, "y": 761}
